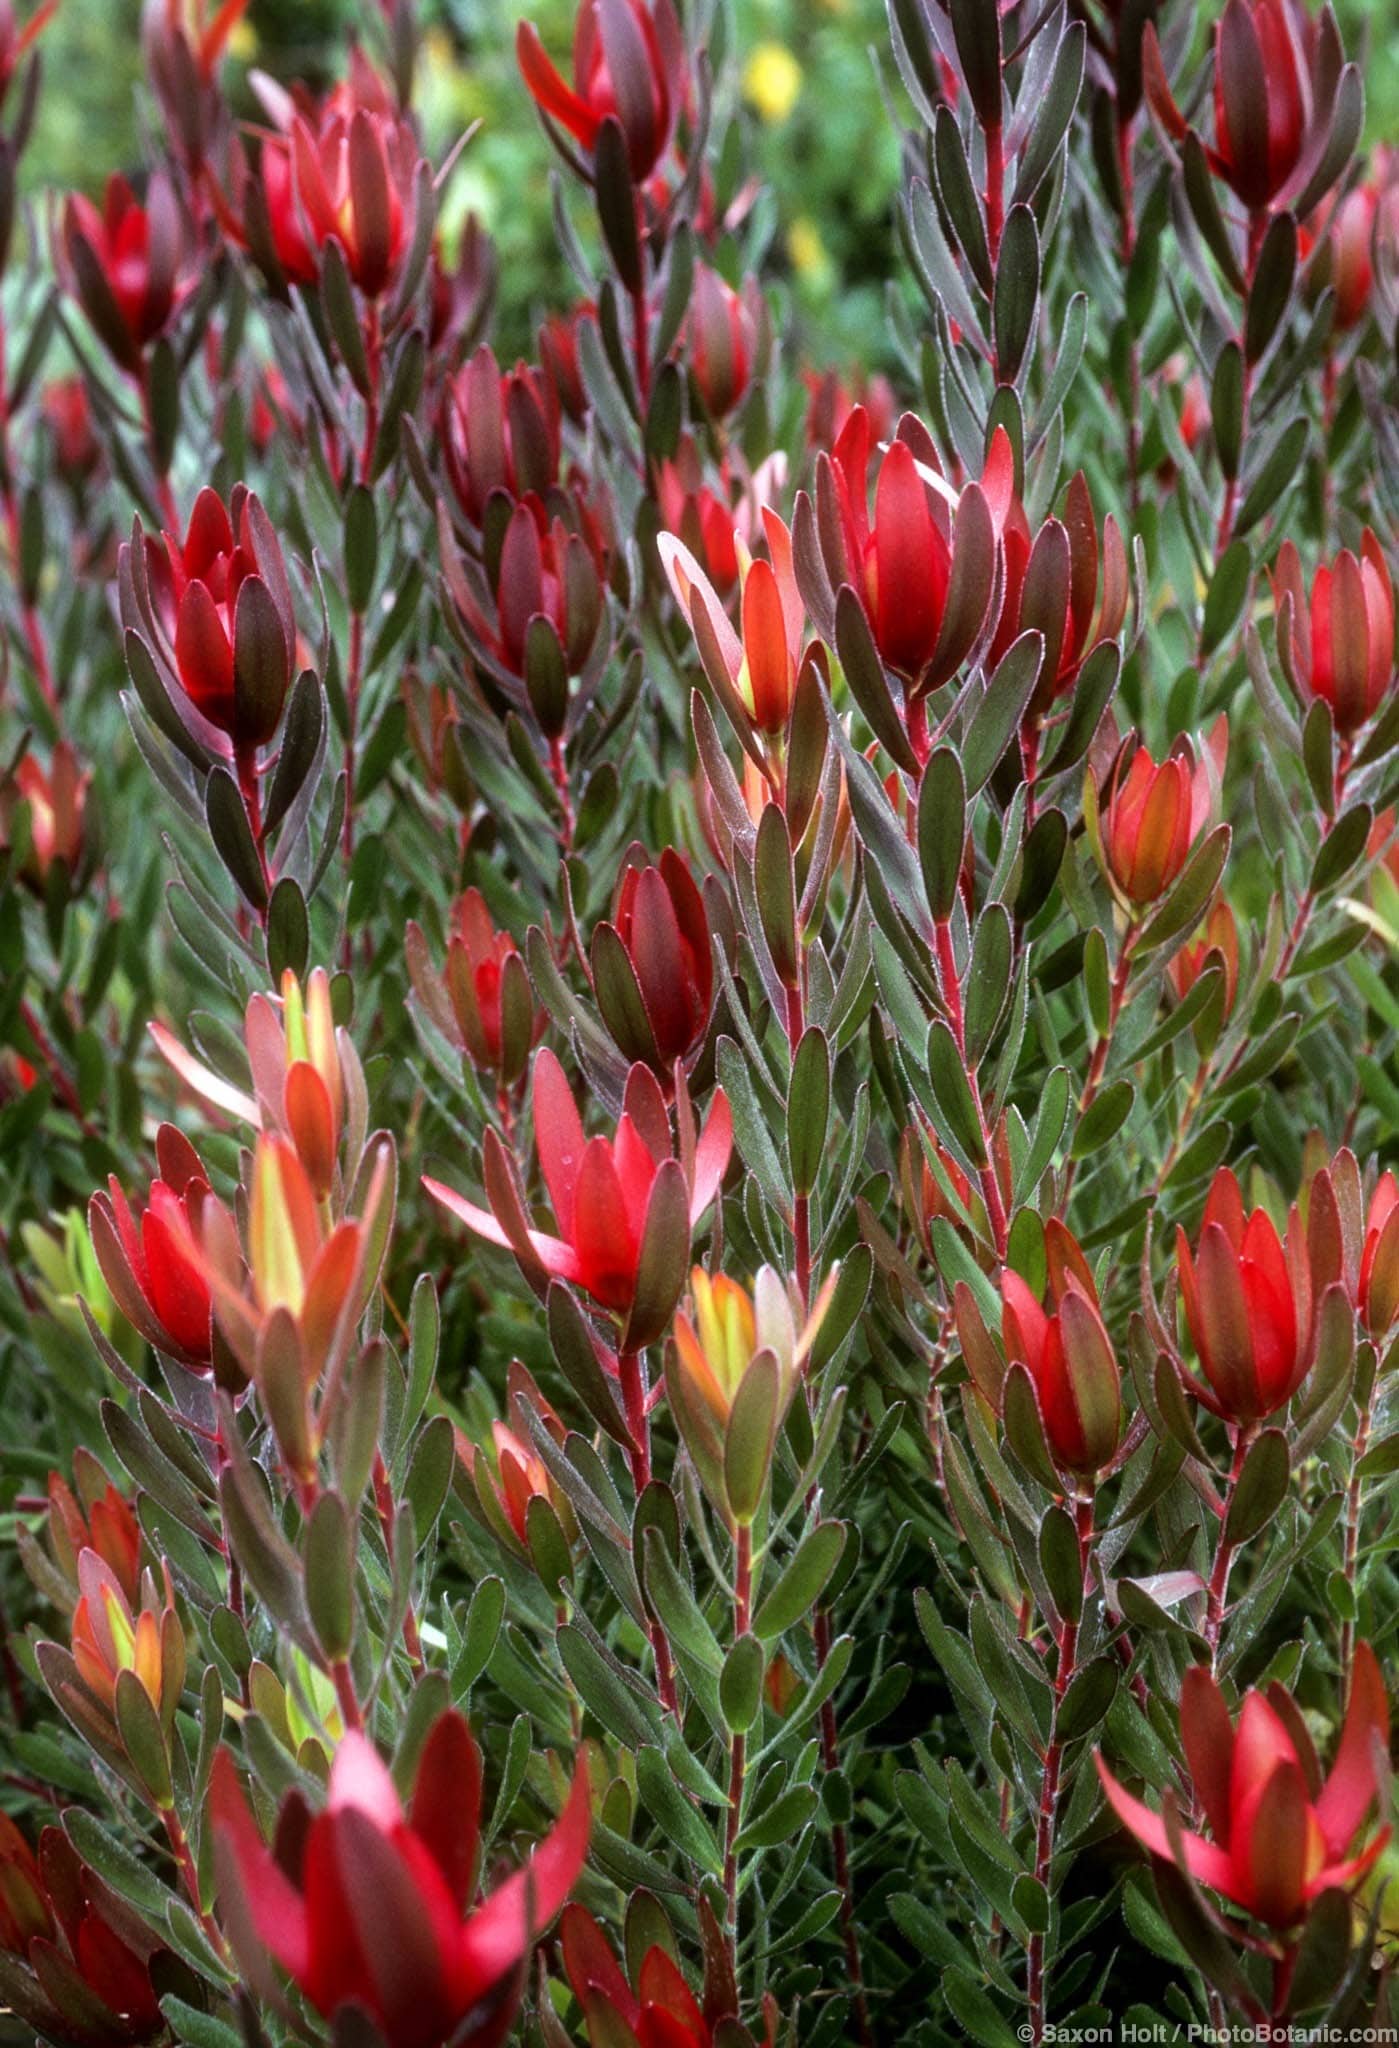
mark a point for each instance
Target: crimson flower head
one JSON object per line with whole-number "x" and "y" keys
{"x": 894, "y": 551}
{"x": 56, "y": 801}
{"x": 1340, "y": 647}
{"x": 481, "y": 1002}
{"x": 1155, "y": 813}
{"x": 500, "y": 433}
{"x": 1276, "y": 78}
{"x": 629, "y": 65}
{"x": 123, "y": 263}
{"x": 657, "y": 2009}
{"x": 1347, "y": 259}
{"x": 558, "y": 357}
{"x": 831, "y": 398}
{"x": 1051, "y": 580}
{"x": 368, "y": 1907}
{"x": 1279, "y": 1835}
{"x": 653, "y": 964}
{"x": 16, "y": 41}
{"x": 1248, "y": 1301}
{"x": 702, "y": 520}
{"x": 148, "y": 1259}
{"x": 1354, "y": 1243}
{"x": 1217, "y": 939}
{"x": 98, "y": 1517}
{"x": 222, "y": 603}
{"x": 754, "y": 670}
{"x": 113, "y": 1635}
{"x": 722, "y": 332}
{"x": 1068, "y": 1355}
{"x": 68, "y": 413}
{"x": 624, "y": 1207}
{"x": 541, "y": 621}
{"x": 79, "y": 1956}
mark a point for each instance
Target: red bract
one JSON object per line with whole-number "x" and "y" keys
{"x": 1248, "y": 1305}
{"x": 546, "y": 610}
{"x": 1354, "y": 1243}
{"x": 897, "y": 556}
{"x": 113, "y": 1635}
{"x": 621, "y": 1204}
{"x": 701, "y": 519}
{"x": 753, "y": 671}
{"x": 1340, "y": 647}
{"x": 103, "y": 1521}
{"x": 558, "y": 357}
{"x": 1349, "y": 254}
{"x": 653, "y": 965}
{"x": 831, "y": 400}
{"x": 481, "y": 1001}
{"x": 721, "y": 331}
{"x": 221, "y": 602}
{"x": 629, "y": 64}
{"x": 1155, "y": 813}
{"x": 1276, "y": 78}
{"x": 68, "y": 411}
{"x": 123, "y": 264}
{"x": 662, "y": 2012}
{"x": 82, "y": 1957}
{"x": 373, "y": 1908}
{"x": 16, "y": 41}
{"x": 1068, "y": 1355}
{"x": 148, "y": 1260}
{"x": 499, "y": 433}
{"x": 1051, "y": 581}
{"x": 56, "y": 799}
{"x": 1217, "y": 939}
{"x": 1281, "y": 1836}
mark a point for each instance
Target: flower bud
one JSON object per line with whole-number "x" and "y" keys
{"x": 1247, "y": 1300}
{"x": 629, "y": 64}
{"x": 221, "y": 600}
{"x": 500, "y": 433}
{"x": 1340, "y": 647}
{"x": 1278, "y": 1836}
{"x": 721, "y": 331}
{"x": 1154, "y": 815}
{"x": 109, "y": 1637}
{"x": 55, "y": 800}
{"x": 653, "y": 965}
{"x": 80, "y": 1956}
{"x": 150, "y": 1260}
{"x": 1217, "y": 939}
{"x": 125, "y": 264}
{"x": 376, "y": 1884}
{"x": 98, "y": 1518}
{"x": 1068, "y": 1355}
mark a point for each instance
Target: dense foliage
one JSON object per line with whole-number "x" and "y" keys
{"x": 699, "y": 1249}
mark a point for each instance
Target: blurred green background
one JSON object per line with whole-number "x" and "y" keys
{"x": 807, "y": 85}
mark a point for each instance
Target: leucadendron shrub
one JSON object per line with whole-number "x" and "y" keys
{"x": 699, "y": 1248}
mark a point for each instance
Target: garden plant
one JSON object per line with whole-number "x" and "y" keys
{"x": 699, "y": 1238}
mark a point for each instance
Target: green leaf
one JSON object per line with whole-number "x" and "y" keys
{"x": 942, "y": 830}
{"x": 1260, "y": 1489}
{"x": 741, "y": 1684}
{"x": 808, "y": 1108}
{"x": 678, "y": 1818}
{"x": 802, "y": 1581}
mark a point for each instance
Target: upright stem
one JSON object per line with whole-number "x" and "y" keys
{"x": 1354, "y": 1505}
{"x": 558, "y": 769}
{"x": 1037, "y": 1982}
{"x": 631, "y": 1370}
{"x": 189, "y": 1875}
{"x": 345, "y": 1694}
{"x": 995, "y": 188}
{"x": 1134, "y": 365}
{"x": 383, "y": 1501}
{"x": 250, "y": 789}
{"x": 1224, "y": 1553}
{"x": 1097, "y": 1066}
{"x": 1257, "y": 227}
{"x": 951, "y": 986}
{"x": 743, "y": 1591}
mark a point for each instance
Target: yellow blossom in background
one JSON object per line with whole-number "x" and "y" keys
{"x": 242, "y": 44}
{"x": 772, "y": 81}
{"x": 807, "y": 251}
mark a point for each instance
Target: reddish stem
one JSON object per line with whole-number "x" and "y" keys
{"x": 743, "y": 1591}
{"x": 1037, "y": 1982}
{"x": 384, "y": 1503}
{"x": 1224, "y": 1553}
{"x": 631, "y": 1371}
{"x": 951, "y": 987}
